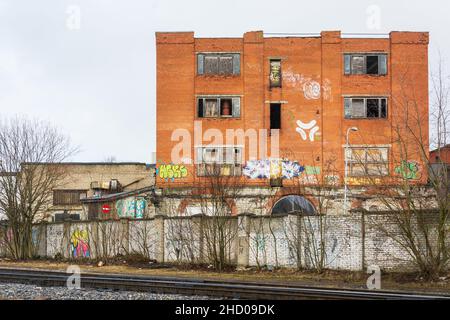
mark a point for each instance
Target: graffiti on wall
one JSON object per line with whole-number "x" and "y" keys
{"x": 131, "y": 207}
{"x": 361, "y": 181}
{"x": 302, "y": 129}
{"x": 79, "y": 244}
{"x": 331, "y": 179}
{"x": 312, "y": 90}
{"x": 270, "y": 168}
{"x": 408, "y": 170}
{"x": 171, "y": 171}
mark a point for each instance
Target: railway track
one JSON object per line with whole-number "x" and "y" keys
{"x": 211, "y": 288}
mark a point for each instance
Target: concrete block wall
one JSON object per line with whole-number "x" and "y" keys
{"x": 351, "y": 242}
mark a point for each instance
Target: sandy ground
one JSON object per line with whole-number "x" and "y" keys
{"x": 338, "y": 279}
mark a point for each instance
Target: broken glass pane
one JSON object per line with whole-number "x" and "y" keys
{"x": 373, "y": 110}
{"x": 372, "y": 64}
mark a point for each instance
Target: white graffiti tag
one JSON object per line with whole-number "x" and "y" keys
{"x": 307, "y": 126}
{"x": 311, "y": 90}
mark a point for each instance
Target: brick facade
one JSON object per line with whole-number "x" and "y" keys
{"x": 314, "y": 86}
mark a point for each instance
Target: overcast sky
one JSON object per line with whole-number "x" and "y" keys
{"x": 89, "y": 65}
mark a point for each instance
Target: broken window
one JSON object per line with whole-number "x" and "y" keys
{"x": 275, "y": 73}
{"x": 370, "y": 161}
{"x": 220, "y": 160}
{"x": 365, "y": 108}
{"x": 218, "y": 63}
{"x": 275, "y": 116}
{"x": 374, "y": 64}
{"x": 217, "y": 107}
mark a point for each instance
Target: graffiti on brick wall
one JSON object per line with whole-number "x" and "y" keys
{"x": 131, "y": 207}
{"x": 408, "y": 170}
{"x": 270, "y": 168}
{"x": 312, "y": 90}
{"x": 361, "y": 181}
{"x": 79, "y": 244}
{"x": 303, "y": 127}
{"x": 171, "y": 171}
{"x": 331, "y": 179}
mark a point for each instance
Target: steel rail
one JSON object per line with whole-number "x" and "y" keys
{"x": 211, "y": 288}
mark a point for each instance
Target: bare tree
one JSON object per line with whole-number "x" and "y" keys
{"x": 418, "y": 219}
{"x": 214, "y": 195}
{"x": 30, "y": 151}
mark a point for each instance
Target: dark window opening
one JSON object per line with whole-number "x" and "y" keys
{"x": 372, "y": 64}
{"x": 293, "y": 204}
{"x": 226, "y": 107}
{"x": 373, "y": 108}
{"x": 275, "y": 116}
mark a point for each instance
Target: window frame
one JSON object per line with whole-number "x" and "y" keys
{"x": 235, "y": 63}
{"x": 222, "y": 160}
{"x": 280, "y": 82}
{"x": 348, "y": 65}
{"x": 365, "y": 98}
{"x": 352, "y": 161}
{"x": 236, "y": 106}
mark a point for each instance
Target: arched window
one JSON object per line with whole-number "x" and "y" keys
{"x": 293, "y": 204}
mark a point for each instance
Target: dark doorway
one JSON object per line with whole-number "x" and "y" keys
{"x": 275, "y": 116}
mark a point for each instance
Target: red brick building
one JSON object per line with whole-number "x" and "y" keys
{"x": 313, "y": 89}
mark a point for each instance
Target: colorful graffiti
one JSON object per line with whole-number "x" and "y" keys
{"x": 79, "y": 244}
{"x": 311, "y": 126}
{"x": 331, "y": 179}
{"x": 131, "y": 208}
{"x": 264, "y": 169}
{"x": 171, "y": 171}
{"x": 361, "y": 181}
{"x": 408, "y": 170}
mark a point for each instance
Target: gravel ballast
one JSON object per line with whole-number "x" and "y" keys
{"x": 33, "y": 292}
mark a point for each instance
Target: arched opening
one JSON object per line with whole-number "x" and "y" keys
{"x": 293, "y": 204}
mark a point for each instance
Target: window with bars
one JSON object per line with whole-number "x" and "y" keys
{"x": 218, "y": 63}
{"x": 219, "y": 107}
{"x": 68, "y": 197}
{"x": 371, "y": 161}
{"x": 373, "y": 64}
{"x": 365, "y": 107}
{"x": 220, "y": 160}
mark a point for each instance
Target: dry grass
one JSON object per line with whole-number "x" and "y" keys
{"x": 339, "y": 279}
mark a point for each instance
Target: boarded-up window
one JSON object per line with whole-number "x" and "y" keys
{"x": 371, "y": 161}
{"x": 218, "y": 63}
{"x": 365, "y": 108}
{"x": 68, "y": 197}
{"x": 218, "y": 107}
{"x": 373, "y": 64}
{"x": 275, "y": 73}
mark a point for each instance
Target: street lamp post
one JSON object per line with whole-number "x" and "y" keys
{"x": 346, "y": 166}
